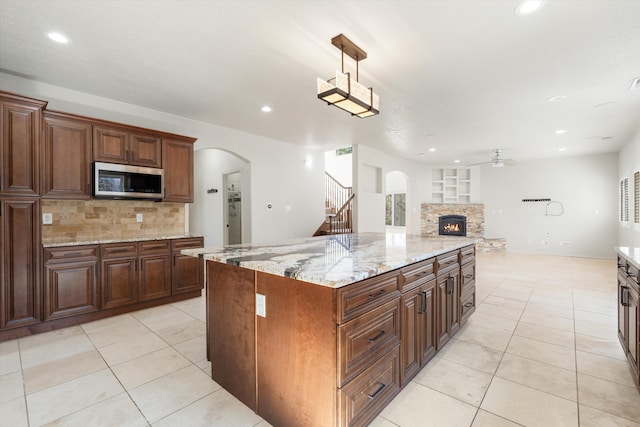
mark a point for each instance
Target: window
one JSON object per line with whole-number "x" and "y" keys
{"x": 624, "y": 200}
{"x": 636, "y": 197}
{"x": 395, "y": 210}
{"x": 343, "y": 151}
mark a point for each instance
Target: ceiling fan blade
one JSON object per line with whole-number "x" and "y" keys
{"x": 481, "y": 163}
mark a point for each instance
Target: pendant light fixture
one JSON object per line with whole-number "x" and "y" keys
{"x": 345, "y": 92}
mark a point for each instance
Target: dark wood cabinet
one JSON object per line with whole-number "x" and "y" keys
{"x": 119, "y": 271}
{"x": 70, "y": 281}
{"x": 418, "y": 329}
{"x": 20, "y": 133}
{"x": 120, "y": 145}
{"x": 448, "y": 297}
{"x": 20, "y": 262}
{"x": 177, "y": 163}
{"x": 419, "y": 311}
{"x": 629, "y": 314}
{"x": 67, "y": 157}
{"x": 187, "y": 271}
{"x": 155, "y": 269}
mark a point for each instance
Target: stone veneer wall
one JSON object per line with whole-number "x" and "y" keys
{"x": 430, "y": 212}
{"x": 91, "y": 220}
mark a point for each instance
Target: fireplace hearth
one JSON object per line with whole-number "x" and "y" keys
{"x": 452, "y": 225}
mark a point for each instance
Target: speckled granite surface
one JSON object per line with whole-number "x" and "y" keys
{"x": 118, "y": 240}
{"x": 336, "y": 260}
{"x": 630, "y": 254}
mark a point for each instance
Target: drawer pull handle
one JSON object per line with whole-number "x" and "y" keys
{"x": 469, "y": 304}
{"x": 376, "y": 338}
{"x": 377, "y": 294}
{"x": 423, "y": 309}
{"x": 70, "y": 254}
{"x": 377, "y": 392}
{"x": 468, "y": 276}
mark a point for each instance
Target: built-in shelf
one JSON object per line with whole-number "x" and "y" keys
{"x": 451, "y": 185}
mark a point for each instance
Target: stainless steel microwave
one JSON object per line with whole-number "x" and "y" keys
{"x": 115, "y": 181}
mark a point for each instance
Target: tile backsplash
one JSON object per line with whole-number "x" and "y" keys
{"x": 91, "y": 220}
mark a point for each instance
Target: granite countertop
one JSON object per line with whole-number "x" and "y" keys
{"x": 630, "y": 254}
{"x": 335, "y": 260}
{"x": 118, "y": 240}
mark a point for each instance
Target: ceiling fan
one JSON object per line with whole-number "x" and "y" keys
{"x": 497, "y": 161}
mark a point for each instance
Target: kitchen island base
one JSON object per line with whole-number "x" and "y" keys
{"x": 299, "y": 353}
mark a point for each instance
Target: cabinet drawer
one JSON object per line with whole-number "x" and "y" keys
{"x": 364, "y": 397}
{"x": 446, "y": 262}
{"x": 418, "y": 273}
{"x": 468, "y": 276}
{"x": 632, "y": 272}
{"x": 154, "y": 247}
{"x": 361, "y": 297}
{"x": 467, "y": 254}
{"x": 190, "y": 243}
{"x": 467, "y": 303}
{"x": 118, "y": 250}
{"x": 367, "y": 337}
{"x": 67, "y": 253}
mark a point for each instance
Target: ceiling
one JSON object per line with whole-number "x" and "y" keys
{"x": 460, "y": 77}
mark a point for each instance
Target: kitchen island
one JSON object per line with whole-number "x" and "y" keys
{"x": 325, "y": 331}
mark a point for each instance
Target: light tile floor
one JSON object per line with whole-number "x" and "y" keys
{"x": 541, "y": 350}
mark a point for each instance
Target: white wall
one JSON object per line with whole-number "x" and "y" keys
{"x": 587, "y": 188}
{"x": 339, "y": 167}
{"x": 279, "y": 174}
{"x": 370, "y": 205}
{"x": 206, "y": 214}
{"x": 628, "y": 163}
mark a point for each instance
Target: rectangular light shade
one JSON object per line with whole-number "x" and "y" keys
{"x": 349, "y": 95}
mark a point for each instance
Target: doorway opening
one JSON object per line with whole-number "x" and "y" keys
{"x": 232, "y": 196}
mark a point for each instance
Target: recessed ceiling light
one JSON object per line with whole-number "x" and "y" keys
{"x": 561, "y": 131}
{"x": 526, "y": 7}
{"x": 456, "y": 161}
{"x": 57, "y": 37}
{"x": 420, "y": 154}
{"x": 266, "y": 109}
{"x": 432, "y": 149}
{"x": 557, "y": 98}
{"x": 562, "y": 149}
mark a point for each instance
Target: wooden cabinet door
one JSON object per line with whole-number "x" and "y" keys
{"x": 448, "y": 301}
{"x": 632, "y": 328}
{"x": 20, "y": 257}
{"x": 410, "y": 347}
{"x": 145, "y": 150}
{"x": 67, "y": 158}
{"x": 20, "y": 130}
{"x": 187, "y": 274}
{"x": 428, "y": 320}
{"x": 177, "y": 162}
{"x": 622, "y": 309}
{"x": 119, "y": 284}
{"x": 155, "y": 276}
{"x": 70, "y": 289}
{"x": 110, "y": 144}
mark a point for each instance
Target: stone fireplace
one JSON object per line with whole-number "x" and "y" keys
{"x": 452, "y": 225}
{"x": 474, "y": 225}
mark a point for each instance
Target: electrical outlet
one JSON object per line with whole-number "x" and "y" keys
{"x": 47, "y": 218}
{"x": 261, "y": 305}
{"x": 138, "y": 217}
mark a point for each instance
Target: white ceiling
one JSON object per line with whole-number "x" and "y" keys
{"x": 463, "y": 77}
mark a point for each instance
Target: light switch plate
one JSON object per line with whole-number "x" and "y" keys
{"x": 261, "y": 305}
{"x": 138, "y": 217}
{"x": 47, "y": 218}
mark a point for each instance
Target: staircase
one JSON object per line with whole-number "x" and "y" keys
{"x": 338, "y": 208}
